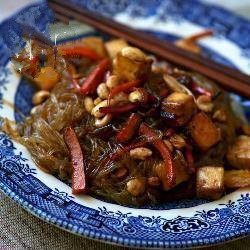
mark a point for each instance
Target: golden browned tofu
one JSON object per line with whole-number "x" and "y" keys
{"x": 178, "y": 108}
{"x": 128, "y": 69}
{"x": 239, "y": 153}
{"x": 210, "y": 182}
{"x": 237, "y": 178}
{"x": 204, "y": 132}
{"x": 115, "y": 46}
{"x": 179, "y": 103}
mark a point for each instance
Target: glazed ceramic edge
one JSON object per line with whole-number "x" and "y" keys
{"x": 16, "y": 173}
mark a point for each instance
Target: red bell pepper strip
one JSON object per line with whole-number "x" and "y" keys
{"x": 77, "y": 161}
{"x": 163, "y": 150}
{"x": 80, "y": 50}
{"x": 119, "y": 109}
{"x": 95, "y": 77}
{"x": 123, "y": 87}
{"x": 129, "y": 129}
{"x": 169, "y": 132}
{"x": 76, "y": 85}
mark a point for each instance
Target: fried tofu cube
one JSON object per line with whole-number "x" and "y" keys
{"x": 237, "y": 178}
{"x": 210, "y": 182}
{"x": 115, "y": 46}
{"x": 127, "y": 69}
{"x": 204, "y": 132}
{"x": 180, "y": 106}
{"x": 239, "y": 153}
{"x": 179, "y": 103}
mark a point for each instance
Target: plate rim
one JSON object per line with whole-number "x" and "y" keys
{"x": 46, "y": 217}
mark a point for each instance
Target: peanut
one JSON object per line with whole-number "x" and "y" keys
{"x": 140, "y": 153}
{"x": 40, "y": 97}
{"x": 88, "y": 104}
{"x": 136, "y": 187}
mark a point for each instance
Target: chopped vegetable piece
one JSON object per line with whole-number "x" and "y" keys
{"x": 95, "y": 77}
{"x": 237, "y": 178}
{"x": 123, "y": 87}
{"x": 239, "y": 153}
{"x": 128, "y": 70}
{"x": 118, "y": 109}
{"x": 210, "y": 182}
{"x": 129, "y": 129}
{"x": 77, "y": 161}
{"x": 145, "y": 130}
{"x": 204, "y": 132}
{"x": 80, "y": 50}
{"x": 179, "y": 104}
{"x": 178, "y": 108}
{"x": 47, "y": 78}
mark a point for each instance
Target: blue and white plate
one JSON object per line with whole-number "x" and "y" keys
{"x": 187, "y": 223}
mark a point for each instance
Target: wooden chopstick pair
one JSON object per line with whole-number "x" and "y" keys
{"x": 230, "y": 79}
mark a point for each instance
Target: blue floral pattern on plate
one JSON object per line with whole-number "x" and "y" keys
{"x": 19, "y": 178}
{"x": 19, "y": 181}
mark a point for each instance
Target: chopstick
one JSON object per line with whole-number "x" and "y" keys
{"x": 229, "y": 79}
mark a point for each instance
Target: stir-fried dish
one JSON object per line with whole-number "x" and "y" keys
{"x": 114, "y": 122}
